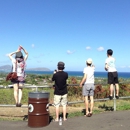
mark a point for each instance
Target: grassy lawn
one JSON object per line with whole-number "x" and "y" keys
{"x": 74, "y": 94}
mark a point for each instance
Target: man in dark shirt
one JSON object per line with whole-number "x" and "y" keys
{"x": 60, "y": 91}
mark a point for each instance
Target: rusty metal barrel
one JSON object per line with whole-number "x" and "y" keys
{"x": 38, "y": 109}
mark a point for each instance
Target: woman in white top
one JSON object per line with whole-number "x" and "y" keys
{"x": 19, "y": 65}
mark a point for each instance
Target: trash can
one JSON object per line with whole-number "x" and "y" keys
{"x": 38, "y": 109}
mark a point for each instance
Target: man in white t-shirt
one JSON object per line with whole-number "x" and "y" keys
{"x": 88, "y": 87}
{"x": 112, "y": 74}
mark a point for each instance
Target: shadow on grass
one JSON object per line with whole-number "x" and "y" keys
{"x": 106, "y": 108}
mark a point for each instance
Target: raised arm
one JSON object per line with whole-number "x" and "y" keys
{"x": 12, "y": 53}
{"x": 26, "y": 53}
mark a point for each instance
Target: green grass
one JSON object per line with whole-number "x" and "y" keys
{"x": 10, "y": 119}
{"x": 123, "y": 105}
{"x": 100, "y": 107}
{"x": 75, "y": 114}
{"x": 7, "y": 97}
{"x": 79, "y": 113}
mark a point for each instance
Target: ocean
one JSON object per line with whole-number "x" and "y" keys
{"x": 80, "y": 73}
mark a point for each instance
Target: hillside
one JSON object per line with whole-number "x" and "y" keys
{"x": 6, "y": 68}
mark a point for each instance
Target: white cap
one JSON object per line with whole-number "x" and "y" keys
{"x": 89, "y": 61}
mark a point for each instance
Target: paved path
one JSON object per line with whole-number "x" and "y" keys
{"x": 119, "y": 120}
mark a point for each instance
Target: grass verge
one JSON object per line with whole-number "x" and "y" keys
{"x": 78, "y": 109}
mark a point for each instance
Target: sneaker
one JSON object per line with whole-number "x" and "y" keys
{"x": 17, "y": 105}
{"x": 110, "y": 97}
{"x": 117, "y": 97}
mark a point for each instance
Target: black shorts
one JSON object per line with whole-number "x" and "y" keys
{"x": 20, "y": 80}
{"x": 112, "y": 78}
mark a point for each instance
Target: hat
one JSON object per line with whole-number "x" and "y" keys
{"x": 60, "y": 64}
{"x": 19, "y": 54}
{"x": 89, "y": 61}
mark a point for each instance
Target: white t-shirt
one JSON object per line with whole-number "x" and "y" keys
{"x": 110, "y": 61}
{"x": 90, "y": 74}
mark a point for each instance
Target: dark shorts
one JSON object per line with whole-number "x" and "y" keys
{"x": 112, "y": 78}
{"x": 20, "y": 80}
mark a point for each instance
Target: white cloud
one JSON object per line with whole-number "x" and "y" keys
{"x": 123, "y": 66}
{"x": 33, "y": 45}
{"x": 100, "y": 49}
{"x": 70, "y": 52}
{"x": 88, "y": 48}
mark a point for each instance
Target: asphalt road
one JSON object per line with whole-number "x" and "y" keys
{"x": 119, "y": 120}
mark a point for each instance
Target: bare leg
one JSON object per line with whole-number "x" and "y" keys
{"x": 91, "y": 104}
{"x": 57, "y": 113}
{"x": 16, "y": 92}
{"x": 111, "y": 89}
{"x": 86, "y": 105}
{"x": 64, "y": 112}
{"x": 20, "y": 95}
{"x": 117, "y": 89}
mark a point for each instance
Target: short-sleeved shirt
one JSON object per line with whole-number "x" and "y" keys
{"x": 60, "y": 79}
{"x": 90, "y": 74}
{"x": 110, "y": 61}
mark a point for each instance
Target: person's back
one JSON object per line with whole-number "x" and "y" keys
{"x": 112, "y": 74}
{"x": 111, "y": 64}
{"x": 90, "y": 74}
{"x": 19, "y": 67}
{"x": 60, "y": 90}
{"x": 88, "y": 87}
{"x": 60, "y": 82}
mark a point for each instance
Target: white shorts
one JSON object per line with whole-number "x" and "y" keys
{"x": 60, "y": 100}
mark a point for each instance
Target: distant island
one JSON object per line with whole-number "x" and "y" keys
{"x": 6, "y": 68}
{"x": 9, "y": 68}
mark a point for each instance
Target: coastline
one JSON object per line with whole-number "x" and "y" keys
{"x": 80, "y": 73}
{"x": 98, "y": 74}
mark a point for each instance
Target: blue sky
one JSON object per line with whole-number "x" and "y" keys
{"x": 66, "y": 30}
